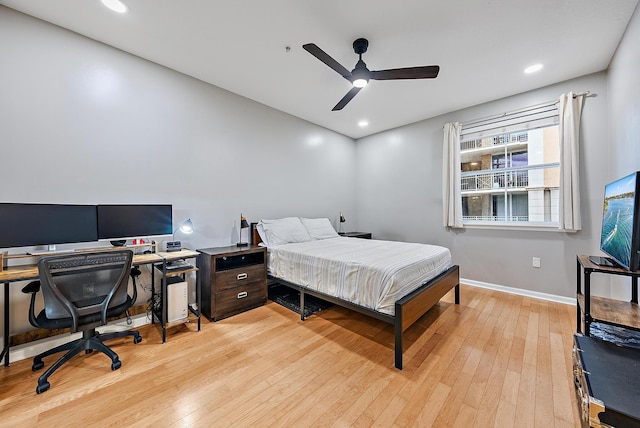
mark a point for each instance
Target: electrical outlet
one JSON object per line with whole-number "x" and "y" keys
{"x": 535, "y": 262}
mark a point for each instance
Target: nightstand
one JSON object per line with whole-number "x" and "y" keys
{"x": 234, "y": 280}
{"x": 363, "y": 235}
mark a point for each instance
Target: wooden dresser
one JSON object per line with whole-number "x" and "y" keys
{"x": 234, "y": 279}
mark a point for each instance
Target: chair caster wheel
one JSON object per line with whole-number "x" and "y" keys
{"x": 137, "y": 339}
{"x": 37, "y": 366}
{"x": 42, "y": 387}
{"x": 116, "y": 365}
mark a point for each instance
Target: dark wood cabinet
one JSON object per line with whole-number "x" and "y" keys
{"x": 234, "y": 280}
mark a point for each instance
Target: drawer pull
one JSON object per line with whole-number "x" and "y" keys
{"x": 242, "y": 276}
{"x": 242, "y": 294}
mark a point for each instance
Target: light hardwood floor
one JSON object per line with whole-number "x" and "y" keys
{"x": 495, "y": 360}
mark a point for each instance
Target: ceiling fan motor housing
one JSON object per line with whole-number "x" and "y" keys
{"x": 360, "y": 46}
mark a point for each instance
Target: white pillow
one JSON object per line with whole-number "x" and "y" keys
{"x": 319, "y": 228}
{"x": 262, "y": 233}
{"x": 283, "y": 231}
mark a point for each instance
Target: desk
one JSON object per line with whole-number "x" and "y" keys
{"x": 30, "y": 272}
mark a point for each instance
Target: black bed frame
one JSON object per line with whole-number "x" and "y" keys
{"x": 407, "y": 310}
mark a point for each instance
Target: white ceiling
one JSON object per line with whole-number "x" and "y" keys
{"x": 482, "y": 47}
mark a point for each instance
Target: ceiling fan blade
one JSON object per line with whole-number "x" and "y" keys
{"x": 426, "y": 72}
{"x": 324, "y": 57}
{"x": 343, "y": 102}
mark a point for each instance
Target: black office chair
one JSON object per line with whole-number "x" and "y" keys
{"x": 81, "y": 291}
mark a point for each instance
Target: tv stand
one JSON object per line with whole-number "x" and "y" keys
{"x": 591, "y": 309}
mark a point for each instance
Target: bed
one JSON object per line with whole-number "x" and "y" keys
{"x": 396, "y": 282}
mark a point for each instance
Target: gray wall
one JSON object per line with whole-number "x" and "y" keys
{"x": 624, "y": 103}
{"x": 399, "y": 188}
{"x": 624, "y": 116}
{"x": 81, "y": 122}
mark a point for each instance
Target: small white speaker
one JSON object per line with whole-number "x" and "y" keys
{"x": 177, "y": 301}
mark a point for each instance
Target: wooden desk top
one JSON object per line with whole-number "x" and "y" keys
{"x": 143, "y": 259}
{"x": 27, "y": 272}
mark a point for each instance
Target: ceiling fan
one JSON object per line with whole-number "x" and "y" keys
{"x": 361, "y": 75}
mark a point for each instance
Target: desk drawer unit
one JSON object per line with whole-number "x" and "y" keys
{"x": 239, "y": 277}
{"x": 238, "y": 299}
{"x": 234, "y": 279}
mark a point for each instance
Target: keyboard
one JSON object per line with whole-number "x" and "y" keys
{"x": 80, "y": 262}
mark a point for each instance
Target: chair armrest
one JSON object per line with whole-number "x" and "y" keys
{"x": 135, "y": 273}
{"x": 32, "y": 288}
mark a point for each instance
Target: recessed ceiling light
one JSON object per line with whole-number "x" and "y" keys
{"x": 533, "y": 68}
{"x": 363, "y": 123}
{"x": 115, "y": 5}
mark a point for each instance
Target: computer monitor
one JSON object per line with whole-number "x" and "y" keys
{"x": 133, "y": 221}
{"x": 24, "y": 225}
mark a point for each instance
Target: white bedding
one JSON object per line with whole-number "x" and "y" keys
{"x": 370, "y": 273}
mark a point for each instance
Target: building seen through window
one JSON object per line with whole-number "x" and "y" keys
{"x": 512, "y": 177}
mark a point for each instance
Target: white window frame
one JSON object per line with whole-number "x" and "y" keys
{"x": 527, "y": 119}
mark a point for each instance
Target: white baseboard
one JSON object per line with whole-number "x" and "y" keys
{"x": 520, "y": 292}
{"x": 31, "y": 349}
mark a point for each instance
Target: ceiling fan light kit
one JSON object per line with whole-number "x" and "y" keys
{"x": 360, "y": 75}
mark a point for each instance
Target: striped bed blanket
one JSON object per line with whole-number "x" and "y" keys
{"x": 369, "y": 273}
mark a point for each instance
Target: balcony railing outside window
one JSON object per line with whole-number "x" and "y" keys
{"x": 475, "y": 181}
{"x": 495, "y": 218}
{"x": 518, "y": 137}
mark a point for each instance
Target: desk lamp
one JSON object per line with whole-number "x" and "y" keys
{"x": 342, "y": 220}
{"x": 187, "y": 229}
{"x": 243, "y": 225}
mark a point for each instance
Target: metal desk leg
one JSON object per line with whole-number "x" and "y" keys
{"x": 634, "y": 289}
{"x": 198, "y": 297}
{"x": 163, "y": 298}
{"x": 153, "y": 294}
{"x": 5, "y": 343}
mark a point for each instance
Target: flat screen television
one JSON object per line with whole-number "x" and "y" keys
{"x": 134, "y": 221}
{"x": 25, "y": 225}
{"x": 620, "y": 236}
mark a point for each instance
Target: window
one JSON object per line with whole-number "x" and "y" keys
{"x": 510, "y": 169}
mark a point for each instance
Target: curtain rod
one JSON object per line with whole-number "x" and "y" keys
{"x": 497, "y": 116}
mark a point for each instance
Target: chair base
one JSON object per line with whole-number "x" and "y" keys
{"x": 89, "y": 342}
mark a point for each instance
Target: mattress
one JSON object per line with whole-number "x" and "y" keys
{"x": 367, "y": 272}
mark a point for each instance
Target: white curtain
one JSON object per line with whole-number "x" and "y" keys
{"x": 451, "y": 197}
{"x": 570, "y": 110}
